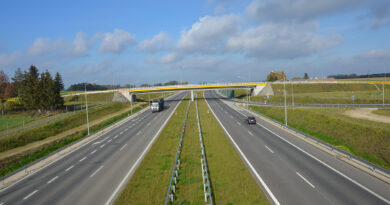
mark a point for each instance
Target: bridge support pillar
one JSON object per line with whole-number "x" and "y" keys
{"x": 192, "y": 95}
{"x": 131, "y": 97}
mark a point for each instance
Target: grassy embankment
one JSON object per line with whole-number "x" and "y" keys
{"x": 366, "y": 139}
{"x": 231, "y": 181}
{"x": 325, "y": 93}
{"x": 103, "y": 116}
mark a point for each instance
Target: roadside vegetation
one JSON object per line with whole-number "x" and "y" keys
{"x": 149, "y": 183}
{"x": 324, "y": 94}
{"x": 363, "y": 138}
{"x": 232, "y": 182}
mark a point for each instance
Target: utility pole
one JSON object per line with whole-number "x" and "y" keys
{"x": 285, "y": 102}
{"x": 86, "y": 105}
{"x": 292, "y": 93}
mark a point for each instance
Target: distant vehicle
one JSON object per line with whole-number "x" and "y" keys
{"x": 250, "y": 120}
{"x": 157, "y": 105}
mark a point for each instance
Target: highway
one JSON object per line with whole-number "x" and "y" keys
{"x": 291, "y": 171}
{"x": 95, "y": 173}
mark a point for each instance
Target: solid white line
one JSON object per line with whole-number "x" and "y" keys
{"x": 307, "y": 181}
{"x": 239, "y": 123}
{"x": 93, "y": 151}
{"x": 102, "y": 146}
{"x": 250, "y": 133}
{"x": 1, "y": 203}
{"x": 118, "y": 188}
{"x": 326, "y": 165}
{"x": 269, "y": 148}
{"x": 82, "y": 159}
{"x": 93, "y": 174}
{"x": 109, "y": 141}
{"x": 246, "y": 160}
{"x": 69, "y": 168}
{"x": 32, "y": 193}
{"x": 122, "y": 147}
{"x": 51, "y": 180}
{"x": 138, "y": 132}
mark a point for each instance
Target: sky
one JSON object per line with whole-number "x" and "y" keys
{"x": 152, "y": 42}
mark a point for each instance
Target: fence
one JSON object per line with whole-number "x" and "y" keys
{"x": 70, "y": 110}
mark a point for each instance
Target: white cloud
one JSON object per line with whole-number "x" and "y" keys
{"x": 8, "y": 59}
{"x": 80, "y": 44}
{"x": 159, "y": 42}
{"x": 43, "y": 46}
{"x": 117, "y": 41}
{"x": 208, "y": 34}
{"x": 300, "y": 10}
{"x": 281, "y": 41}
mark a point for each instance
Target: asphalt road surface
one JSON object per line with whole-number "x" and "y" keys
{"x": 291, "y": 171}
{"x": 95, "y": 173}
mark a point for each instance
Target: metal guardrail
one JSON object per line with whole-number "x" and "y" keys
{"x": 176, "y": 165}
{"x": 203, "y": 160}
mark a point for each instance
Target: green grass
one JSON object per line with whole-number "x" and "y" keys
{"x": 384, "y": 112}
{"x": 190, "y": 185}
{"x": 15, "y": 120}
{"x": 93, "y": 99}
{"x": 324, "y": 93}
{"x": 11, "y": 164}
{"x": 149, "y": 184}
{"x": 56, "y": 127}
{"x": 231, "y": 181}
{"x": 366, "y": 139}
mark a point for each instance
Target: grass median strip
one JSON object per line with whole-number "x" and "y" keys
{"x": 190, "y": 185}
{"x": 149, "y": 183}
{"x": 231, "y": 181}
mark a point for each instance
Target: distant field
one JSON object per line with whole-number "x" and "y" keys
{"x": 366, "y": 139}
{"x": 325, "y": 93}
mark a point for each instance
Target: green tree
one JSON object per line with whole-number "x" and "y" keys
{"x": 306, "y": 76}
{"x": 274, "y": 76}
{"x": 59, "y": 86}
{"x": 19, "y": 80}
{"x": 46, "y": 91}
{"x": 29, "y": 94}
{"x": 6, "y": 89}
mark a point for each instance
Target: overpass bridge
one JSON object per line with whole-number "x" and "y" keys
{"x": 256, "y": 86}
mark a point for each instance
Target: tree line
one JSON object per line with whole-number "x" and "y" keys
{"x": 36, "y": 91}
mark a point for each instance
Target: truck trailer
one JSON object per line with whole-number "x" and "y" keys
{"x": 157, "y": 105}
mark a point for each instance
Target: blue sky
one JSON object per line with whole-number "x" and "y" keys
{"x": 196, "y": 41}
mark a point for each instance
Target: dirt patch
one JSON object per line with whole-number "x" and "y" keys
{"x": 367, "y": 114}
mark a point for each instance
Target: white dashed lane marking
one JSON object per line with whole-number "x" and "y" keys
{"x": 51, "y": 180}
{"x": 32, "y": 193}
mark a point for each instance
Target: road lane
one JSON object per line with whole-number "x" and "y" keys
{"x": 279, "y": 169}
{"x": 113, "y": 160}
